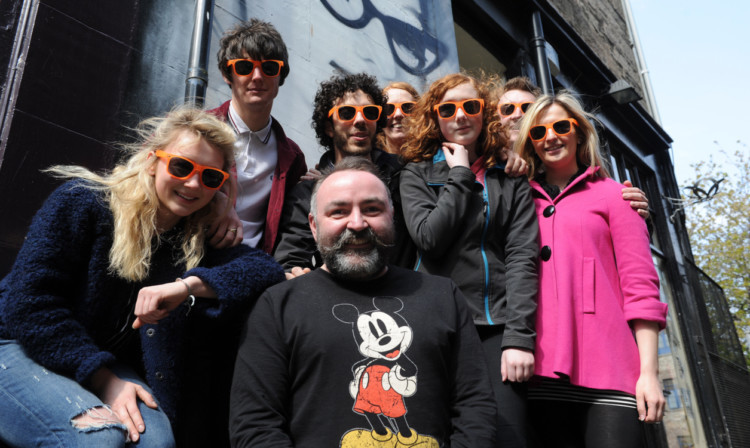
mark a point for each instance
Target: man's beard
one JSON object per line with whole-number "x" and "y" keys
{"x": 341, "y": 142}
{"x": 357, "y": 264}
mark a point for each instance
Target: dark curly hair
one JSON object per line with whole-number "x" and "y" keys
{"x": 335, "y": 88}
{"x": 259, "y": 39}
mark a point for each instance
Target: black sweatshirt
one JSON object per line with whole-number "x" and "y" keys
{"x": 319, "y": 352}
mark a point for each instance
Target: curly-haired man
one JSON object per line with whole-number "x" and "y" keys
{"x": 346, "y": 118}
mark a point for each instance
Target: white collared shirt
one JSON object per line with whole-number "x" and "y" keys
{"x": 256, "y": 159}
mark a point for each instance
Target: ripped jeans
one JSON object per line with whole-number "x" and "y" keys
{"x": 37, "y": 408}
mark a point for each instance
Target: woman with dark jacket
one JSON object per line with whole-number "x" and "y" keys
{"x": 94, "y": 312}
{"x": 474, "y": 224}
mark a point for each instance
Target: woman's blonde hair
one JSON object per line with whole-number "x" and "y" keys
{"x": 382, "y": 141}
{"x": 131, "y": 195}
{"x": 424, "y": 136}
{"x": 587, "y": 151}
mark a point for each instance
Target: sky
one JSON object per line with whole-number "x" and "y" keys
{"x": 698, "y": 58}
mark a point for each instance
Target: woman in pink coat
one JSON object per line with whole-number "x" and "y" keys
{"x": 599, "y": 312}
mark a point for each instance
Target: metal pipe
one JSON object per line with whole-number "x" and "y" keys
{"x": 543, "y": 73}
{"x": 16, "y": 66}
{"x": 641, "y": 61}
{"x": 197, "y": 75}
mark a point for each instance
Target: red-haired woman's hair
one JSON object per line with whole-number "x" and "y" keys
{"x": 425, "y": 138}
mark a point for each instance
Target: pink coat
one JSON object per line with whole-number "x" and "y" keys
{"x": 598, "y": 277}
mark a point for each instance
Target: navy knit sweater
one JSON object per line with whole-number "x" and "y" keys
{"x": 64, "y": 307}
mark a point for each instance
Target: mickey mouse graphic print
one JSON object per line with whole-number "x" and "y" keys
{"x": 383, "y": 377}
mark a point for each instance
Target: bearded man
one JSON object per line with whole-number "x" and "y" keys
{"x": 360, "y": 352}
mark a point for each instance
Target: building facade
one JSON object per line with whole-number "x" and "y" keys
{"x": 80, "y": 72}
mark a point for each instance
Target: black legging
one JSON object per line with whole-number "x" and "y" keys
{"x": 510, "y": 397}
{"x": 563, "y": 424}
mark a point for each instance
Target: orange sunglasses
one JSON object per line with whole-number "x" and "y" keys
{"x": 448, "y": 109}
{"x": 406, "y": 107}
{"x": 560, "y": 127}
{"x": 183, "y": 168}
{"x": 370, "y": 112}
{"x": 506, "y": 109}
{"x": 270, "y": 68}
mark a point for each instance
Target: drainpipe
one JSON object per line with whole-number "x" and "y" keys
{"x": 635, "y": 43}
{"x": 16, "y": 66}
{"x": 197, "y": 76}
{"x": 543, "y": 73}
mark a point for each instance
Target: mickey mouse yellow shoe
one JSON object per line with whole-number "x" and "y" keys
{"x": 362, "y": 438}
{"x": 416, "y": 441}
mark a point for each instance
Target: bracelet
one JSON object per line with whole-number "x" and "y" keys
{"x": 190, "y": 298}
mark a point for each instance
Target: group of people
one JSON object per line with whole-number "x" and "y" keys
{"x": 458, "y": 270}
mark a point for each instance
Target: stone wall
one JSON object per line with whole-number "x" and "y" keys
{"x": 601, "y": 24}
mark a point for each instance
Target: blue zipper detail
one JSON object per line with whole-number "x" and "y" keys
{"x": 486, "y": 211}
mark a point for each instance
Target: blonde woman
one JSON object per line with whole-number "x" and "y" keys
{"x": 599, "y": 312}
{"x": 92, "y": 319}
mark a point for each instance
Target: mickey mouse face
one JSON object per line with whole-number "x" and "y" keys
{"x": 382, "y": 337}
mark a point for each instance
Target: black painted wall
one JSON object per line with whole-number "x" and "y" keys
{"x": 96, "y": 67}
{"x": 91, "y": 70}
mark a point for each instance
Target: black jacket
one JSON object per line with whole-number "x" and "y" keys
{"x": 485, "y": 239}
{"x": 296, "y": 245}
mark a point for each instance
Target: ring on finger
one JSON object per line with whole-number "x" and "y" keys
{"x": 233, "y": 230}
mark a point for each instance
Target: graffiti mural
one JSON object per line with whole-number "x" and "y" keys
{"x": 413, "y": 48}
{"x": 394, "y": 40}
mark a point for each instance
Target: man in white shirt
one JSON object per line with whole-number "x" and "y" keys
{"x": 254, "y": 62}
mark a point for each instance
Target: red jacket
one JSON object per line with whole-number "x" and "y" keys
{"x": 290, "y": 166}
